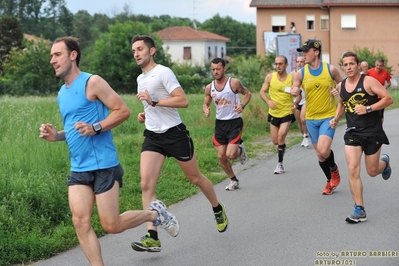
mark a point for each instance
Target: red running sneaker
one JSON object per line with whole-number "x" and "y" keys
{"x": 327, "y": 190}
{"x": 335, "y": 178}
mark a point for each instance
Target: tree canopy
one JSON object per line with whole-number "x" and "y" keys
{"x": 105, "y": 42}
{"x": 11, "y": 36}
{"x": 112, "y": 55}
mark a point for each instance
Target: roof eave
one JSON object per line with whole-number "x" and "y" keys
{"x": 324, "y": 5}
{"x": 202, "y": 39}
{"x": 284, "y": 6}
{"x": 359, "y": 4}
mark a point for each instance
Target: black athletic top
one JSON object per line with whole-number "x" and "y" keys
{"x": 368, "y": 124}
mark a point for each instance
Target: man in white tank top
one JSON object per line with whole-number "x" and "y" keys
{"x": 223, "y": 91}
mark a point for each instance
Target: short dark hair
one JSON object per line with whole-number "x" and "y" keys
{"x": 284, "y": 57}
{"x": 349, "y": 54}
{"x": 72, "y": 44}
{"x": 218, "y": 60}
{"x": 149, "y": 42}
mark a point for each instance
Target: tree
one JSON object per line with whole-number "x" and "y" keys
{"x": 112, "y": 55}
{"x": 29, "y": 72}
{"x": 65, "y": 20}
{"x": 82, "y": 28}
{"x": 100, "y": 23}
{"x": 242, "y": 35}
{"x": 8, "y": 8}
{"x": 365, "y": 54}
{"x": 11, "y": 36}
{"x": 29, "y": 14}
{"x": 166, "y": 21}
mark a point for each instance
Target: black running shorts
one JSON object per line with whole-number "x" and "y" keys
{"x": 175, "y": 142}
{"x": 228, "y": 132}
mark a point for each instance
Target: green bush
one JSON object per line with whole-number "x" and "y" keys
{"x": 29, "y": 82}
{"x": 193, "y": 79}
{"x": 251, "y": 71}
{"x": 364, "y": 54}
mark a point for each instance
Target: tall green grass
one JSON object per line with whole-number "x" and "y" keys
{"x": 35, "y": 220}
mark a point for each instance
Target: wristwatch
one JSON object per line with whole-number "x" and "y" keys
{"x": 154, "y": 101}
{"x": 97, "y": 128}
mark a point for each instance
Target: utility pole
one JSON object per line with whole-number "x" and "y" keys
{"x": 194, "y": 13}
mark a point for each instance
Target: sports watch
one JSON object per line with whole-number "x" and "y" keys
{"x": 154, "y": 101}
{"x": 97, "y": 128}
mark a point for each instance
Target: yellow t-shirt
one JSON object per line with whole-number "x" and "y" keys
{"x": 282, "y": 98}
{"x": 320, "y": 103}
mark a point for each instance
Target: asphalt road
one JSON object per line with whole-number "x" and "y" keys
{"x": 276, "y": 219}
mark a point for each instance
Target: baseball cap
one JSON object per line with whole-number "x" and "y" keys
{"x": 310, "y": 44}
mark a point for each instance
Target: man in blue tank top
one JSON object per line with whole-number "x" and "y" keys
{"x": 361, "y": 97}
{"x": 96, "y": 175}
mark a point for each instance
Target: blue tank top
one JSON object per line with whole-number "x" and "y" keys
{"x": 87, "y": 153}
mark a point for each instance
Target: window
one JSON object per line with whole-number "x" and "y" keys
{"x": 209, "y": 53}
{"x": 278, "y": 23}
{"x": 310, "y": 22}
{"x": 216, "y": 51}
{"x": 348, "y": 21}
{"x": 222, "y": 56}
{"x": 187, "y": 53}
{"x": 324, "y": 22}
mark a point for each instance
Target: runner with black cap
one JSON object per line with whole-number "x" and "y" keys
{"x": 318, "y": 79}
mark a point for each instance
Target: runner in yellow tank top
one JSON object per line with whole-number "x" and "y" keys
{"x": 278, "y": 85}
{"x": 319, "y": 79}
{"x": 317, "y": 88}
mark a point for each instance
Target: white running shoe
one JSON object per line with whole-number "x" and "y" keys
{"x": 243, "y": 154}
{"x": 165, "y": 219}
{"x": 232, "y": 185}
{"x": 279, "y": 169}
{"x": 305, "y": 142}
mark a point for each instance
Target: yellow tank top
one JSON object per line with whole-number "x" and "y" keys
{"x": 282, "y": 98}
{"x": 320, "y": 103}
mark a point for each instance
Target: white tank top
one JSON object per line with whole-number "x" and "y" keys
{"x": 224, "y": 101}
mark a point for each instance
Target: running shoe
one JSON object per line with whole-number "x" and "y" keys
{"x": 327, "y": 190}
{"x": 221, "y": 220}
{"x": 335, "y": 178}
{"x": 305, "y": 142}
{"x": 279, "y": 169}
{"x": 147, "y": 243}
{"x": 232, "y": 185}
{"x": 359, "y": 215}
{"x": 386, "y": 174}
{"x": 243, "y": 154}
{"x": 165, "y": 219}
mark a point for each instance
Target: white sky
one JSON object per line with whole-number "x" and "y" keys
{"x": 201, "y": 10}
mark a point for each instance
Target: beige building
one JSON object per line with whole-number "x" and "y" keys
{"x": 339, "y": 25}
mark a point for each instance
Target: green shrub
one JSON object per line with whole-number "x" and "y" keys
{"x": 364, "y": 54}
{"x": 193, "y": 79}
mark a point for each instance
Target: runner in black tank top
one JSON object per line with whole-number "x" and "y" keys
{"x": 365, "y": 125}
{"x": 361, "y": 97}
